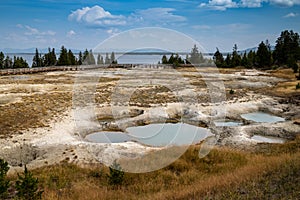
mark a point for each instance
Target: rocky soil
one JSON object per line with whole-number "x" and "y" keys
{"x": 45, "y": 117}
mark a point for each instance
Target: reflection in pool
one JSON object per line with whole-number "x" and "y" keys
{"x": 108, "y": 137}
{"x": 168, "y": 134}
{"x": 262, "y": 117}
{"x": 155, "y": 135}
{"x": 268, "y": 139}
{"x": 228, "y": 123}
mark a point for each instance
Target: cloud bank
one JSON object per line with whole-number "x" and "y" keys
{"x": 223, "y": 5}
{"x": 98, "y": 17}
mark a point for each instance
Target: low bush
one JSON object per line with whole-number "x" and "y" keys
{"x": 116, "y": 175}
{"x": 28, "y": 187}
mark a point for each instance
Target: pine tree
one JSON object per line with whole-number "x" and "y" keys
{"x": 2, "y": 56}
{"x": 244, "y": 61}
{"x": 19, "y": 62}
{"x": 113, "y": 58}
{"x": 251, "y": 59}
{"x": 107, "y": 59}
{"x": 4, "y": 183}
{"x": 263, "y": 56}
{"x": 99, "y": 60}
{"x": 236, "y": 58}
{"x": 53, "y": 60}
{"x": 196, "y": 56}
{"x": 49, "y": 59}
{"x": 179, "y": 60}
{"x": 88, "y": 58}
{"x": 63, "y": 57}
{"x": 187, "y": 58}
{"x": 37, "y": 60}
{"x": 91, "y": 58}
{"x": 171, "y": 59}
{"x": 28, "y": 187}
{"x": 228, "y": 60}
{"x": 85, "y": 57}
{"x": 164, "y": 59}
{"x": 291, "y": 62}
{"x": 80, "y": 58}
{"x": 71, "y": 58}
{"x": 102, "y": 61}
{"x": 8, "y": 63}
{"x": 218, "y": 59}
{"x": 287, "y": 45}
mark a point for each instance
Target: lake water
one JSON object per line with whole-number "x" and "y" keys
{"x": 262, "y": 117}
{"x": 155, "y": 135}
{"x": 268, "y": 139}
{"x": 122, "y": 58}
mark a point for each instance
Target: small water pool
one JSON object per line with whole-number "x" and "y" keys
{"x": 262, "y": 117}
{"x": 228, "y": 123}
{"x": 168, "y": 134}
{"x": 268, "y": 139}
{"x": 108, "y": 137}
{"x": 155, "y": 135}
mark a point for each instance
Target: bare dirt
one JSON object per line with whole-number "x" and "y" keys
{"x": 44, "y": 117}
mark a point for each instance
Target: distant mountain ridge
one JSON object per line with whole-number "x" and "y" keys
{"x": 32, "y": 51}
{"x": 139, "y": 51}
{"x": 255, "y": 49}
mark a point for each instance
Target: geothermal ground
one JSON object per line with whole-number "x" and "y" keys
{"x": 45, "y": 117}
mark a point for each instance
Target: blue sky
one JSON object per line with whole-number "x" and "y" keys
{"x": 80, "y": 24}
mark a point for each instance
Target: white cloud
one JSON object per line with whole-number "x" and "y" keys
{"x": 113, "y": 31}
{"x": 225, "y": 4}
{"x": 71, "y": 33}
{"x": 251, "y": 3}
{"x": 33, "y": 31}
{"x": 19, "y": 26}
{"x": 290, "y": 15}
{"x": 219, "y": 4}
{"x": 157, "y": 15}
{"x": 97, "y": 16}
{"x": 286, "y": 3}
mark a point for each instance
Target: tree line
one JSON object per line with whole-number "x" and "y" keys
{"x": 65, "y": 58}
{"x": 286, "y": 53}
{"x": 195, "y": 57}
{"x": 16, "y": 62}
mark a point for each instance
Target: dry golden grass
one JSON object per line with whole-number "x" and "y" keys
{"x": 33, "y": 111}
{"x": 38, "y": 107}
{"x": 223, "y": 174}
{"x": 287, "y": 88}
{"x": 283, "y": 73}
{"x": 155, "y": 94}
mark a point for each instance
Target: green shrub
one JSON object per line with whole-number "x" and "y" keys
{"x": 116, "y": 175}
{"x": 28, "y": 187}
{"x": 231, "y": 91}
{"x": 294, "y": 66}
{"x": 4, "y": 183}
{"x": 298, "y": 86}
